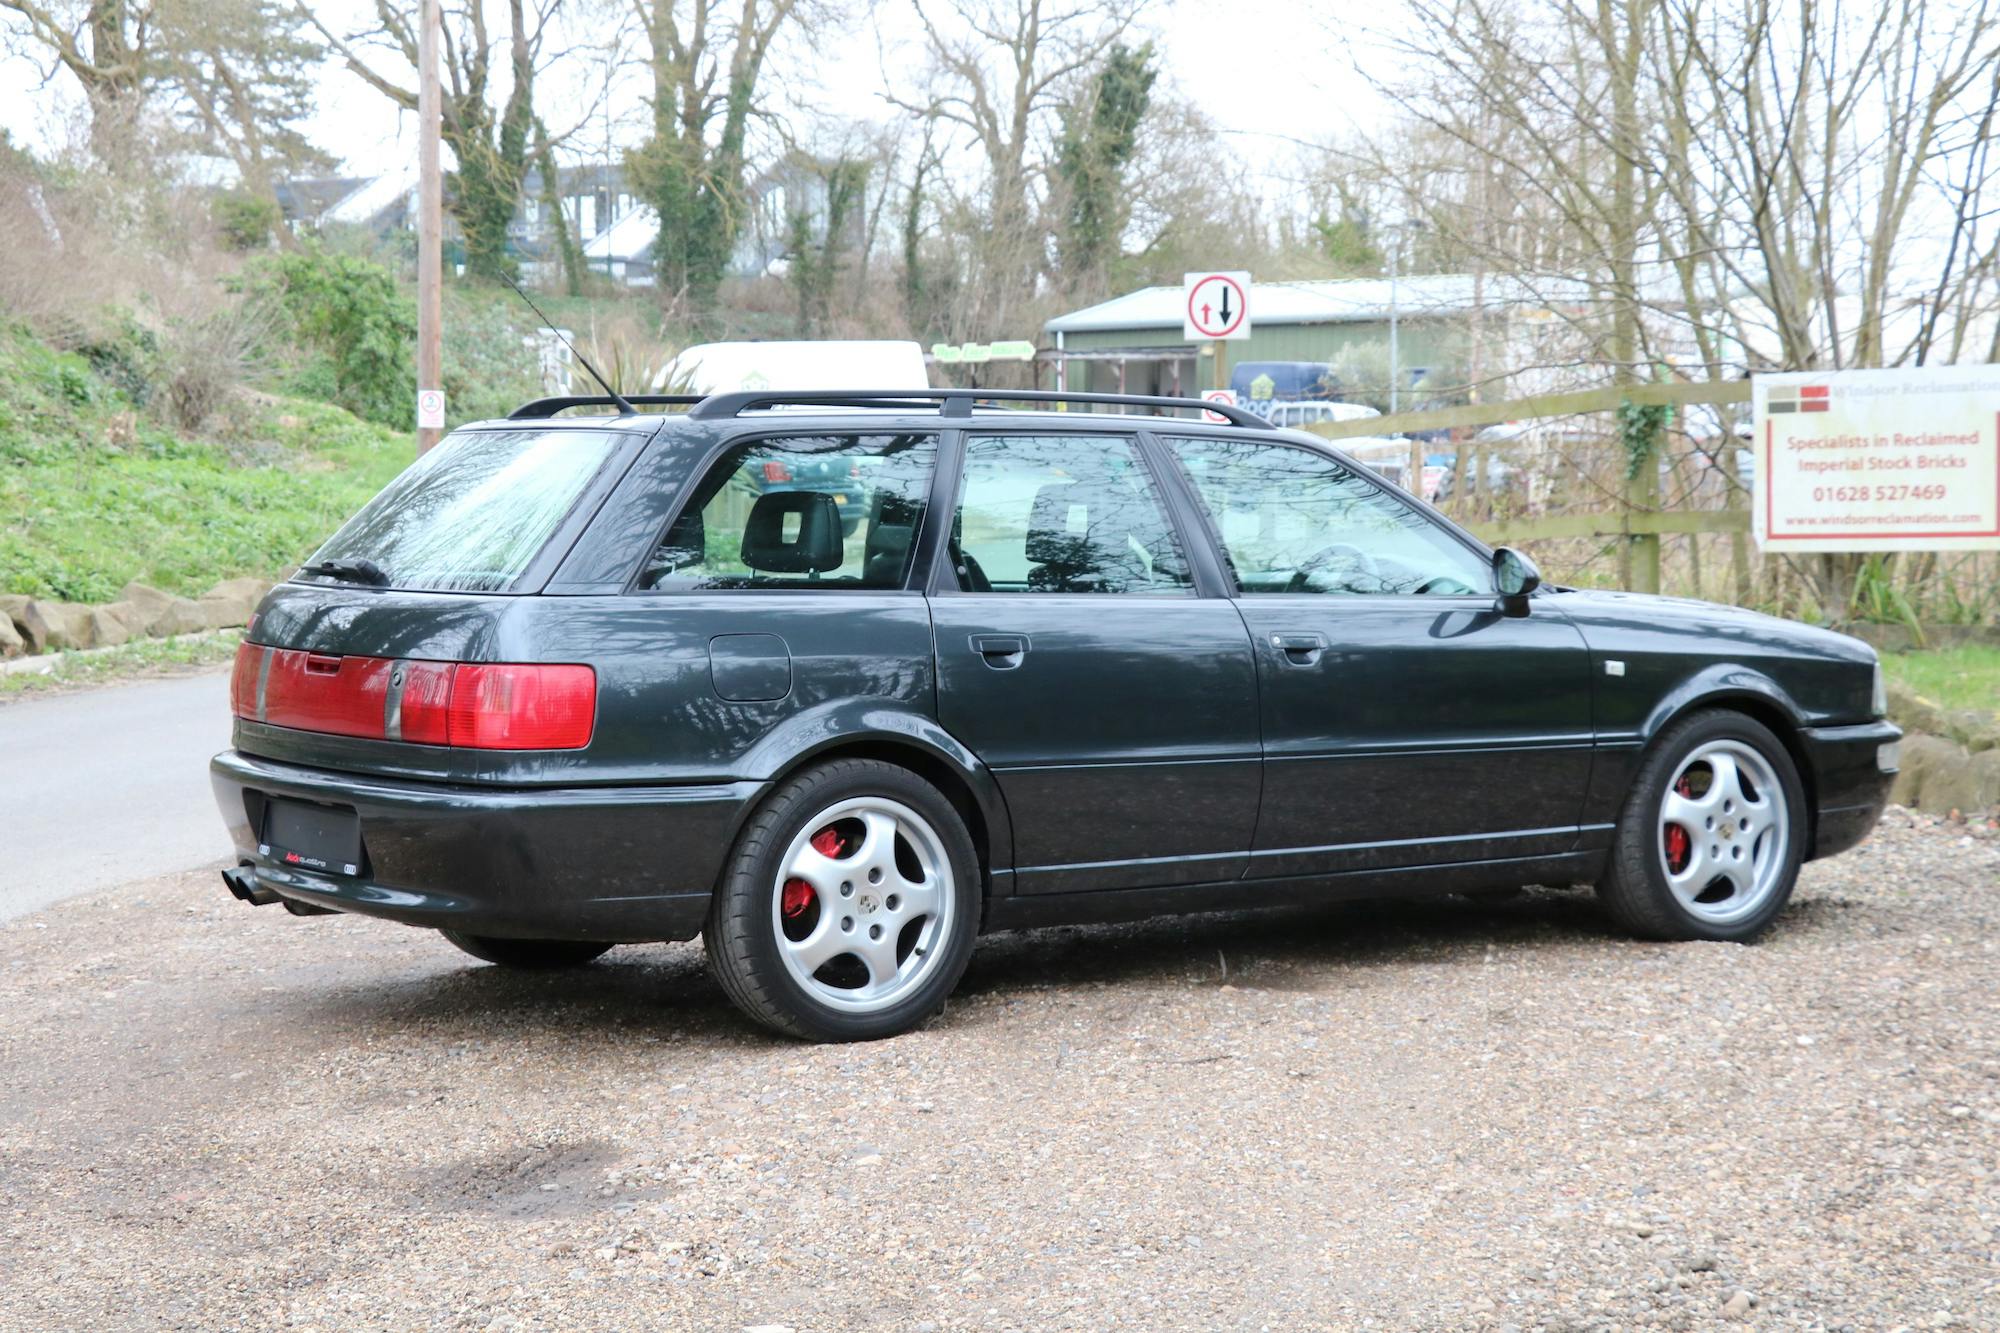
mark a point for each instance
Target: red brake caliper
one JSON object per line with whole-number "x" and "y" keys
{"x": 1677, "y": 837}
{"x": 798, "y": 894}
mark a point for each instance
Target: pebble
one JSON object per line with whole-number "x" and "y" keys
{"x": 1434, "y": 1116}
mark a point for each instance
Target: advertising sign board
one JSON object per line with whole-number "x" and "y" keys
{"x": 1878, "y": 460}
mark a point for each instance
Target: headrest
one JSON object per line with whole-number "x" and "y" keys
{"x": 892, "y": 526}
{"x": 1059, "y": 525}
{"x": 812, "y": 521}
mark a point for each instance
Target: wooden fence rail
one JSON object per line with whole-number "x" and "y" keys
{"x": 1640, "y": 527}
{"x": 1543, "y": 405}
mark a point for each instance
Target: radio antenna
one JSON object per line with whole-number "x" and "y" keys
{"x": 625, "y": 409}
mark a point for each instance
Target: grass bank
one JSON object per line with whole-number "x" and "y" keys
{"x": 95, "y": 492}
{"x": 1967, "y": 676}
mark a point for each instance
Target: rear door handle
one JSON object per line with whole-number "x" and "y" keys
{"x": 1002, "y": 652}
{"x": 1299, "y": 649}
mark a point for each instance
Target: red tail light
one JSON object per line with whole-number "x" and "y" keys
{"x": 776, "y": 471}
{"x": 506, "y": 707}
{"x": 469, "y": 705}
{"x": 243, "y": 679}
{"x": 427, "y": 702}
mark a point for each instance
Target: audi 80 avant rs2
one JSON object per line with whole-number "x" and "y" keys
{"x": 578, "y": 681}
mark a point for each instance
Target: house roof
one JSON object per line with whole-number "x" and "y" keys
{"x": 372, "y": 197}
{"x": 630, "y": 237}
{"x": 1332, "y": 301}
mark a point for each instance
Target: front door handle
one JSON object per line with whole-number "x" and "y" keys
{"x": 1002, "y": 652}
{"x": 1299, "y": 649}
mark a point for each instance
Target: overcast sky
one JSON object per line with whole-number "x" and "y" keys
{"x": 1267, "y": 72}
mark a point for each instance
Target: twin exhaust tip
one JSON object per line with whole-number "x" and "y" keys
{"x": 241, "y": 880}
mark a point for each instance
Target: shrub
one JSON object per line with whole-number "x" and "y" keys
{"x": 246, "y": 221}
{"x": 204, "y": 356}
{"x": 351, "y": 310}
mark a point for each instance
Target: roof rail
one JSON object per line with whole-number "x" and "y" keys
{"x": 950, "y": 402}
{"x": 548, "y": 407}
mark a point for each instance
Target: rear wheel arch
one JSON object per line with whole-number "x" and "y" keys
{"x": 984, "y": 815}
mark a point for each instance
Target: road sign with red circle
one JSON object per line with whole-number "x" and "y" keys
{"x": 1225, "y": 396}
{"x": 430, "y": 409}
{"x": 1218, "y": 306}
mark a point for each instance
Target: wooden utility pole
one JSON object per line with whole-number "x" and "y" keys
{"x": 430, "y": 221}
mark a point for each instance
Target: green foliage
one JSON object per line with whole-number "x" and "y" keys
{"x": 1967, "y": 676}
{"x": 816, "y": 261}
{"x": 1348, "y": 244}
{"x": 1100, "y": 135}
{"x": 490, "y": 365}
{"x": 1639, "y": 429}
{"x": 1877, "y": 596}
{"x": 247, "y": 221}
{"x": 92, "y": 494}
{"x": 700, "y": 213}
{"x": 126, "y": 360}
{"x": 350, "y": 311}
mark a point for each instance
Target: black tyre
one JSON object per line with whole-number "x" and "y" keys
{"x": 1712, "y": 835}
{"x": 539, "y": 955}
{"x": 849, "y": 905}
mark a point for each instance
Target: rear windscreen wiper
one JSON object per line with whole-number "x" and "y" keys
{"x": 354, "y": 569}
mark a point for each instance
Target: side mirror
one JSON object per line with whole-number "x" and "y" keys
{"x": 1515, "y": 576}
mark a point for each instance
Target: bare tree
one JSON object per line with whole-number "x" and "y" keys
{"x": 1000, "y": 73}
{"x": 241, "y": 77}
{"x": 106, "y": 45}
{"x": 1828, "y": 168}
{"x": 490, "y": 135}
{"x": 707, "y": 63}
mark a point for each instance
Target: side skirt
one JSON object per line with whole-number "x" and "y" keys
{"x": 1074, "y": 909}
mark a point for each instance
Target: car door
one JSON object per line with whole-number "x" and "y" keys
{"x": 1113, "y": 699}
{"x": 1406, "y": 721}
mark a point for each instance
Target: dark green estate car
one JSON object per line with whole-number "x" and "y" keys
{"x": 571, "y": 682}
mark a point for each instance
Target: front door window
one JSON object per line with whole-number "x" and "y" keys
{"x": 1294, "y": 520}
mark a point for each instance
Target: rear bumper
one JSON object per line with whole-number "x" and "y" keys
{"x": 1850, "y": 783}
{"x": 621, "y": 865}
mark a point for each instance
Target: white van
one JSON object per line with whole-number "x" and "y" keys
{"x": 1312, "y": 413}
{"x": 798, "y": 367}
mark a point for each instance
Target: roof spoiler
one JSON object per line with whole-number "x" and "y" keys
{"x": 948, "y": 402}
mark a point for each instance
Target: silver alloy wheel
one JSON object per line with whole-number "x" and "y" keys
{"x": 1724, "y": 832}
{"x": 867, "y": 906}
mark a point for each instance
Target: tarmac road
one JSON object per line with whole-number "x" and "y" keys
{"x": 107, "y": 786}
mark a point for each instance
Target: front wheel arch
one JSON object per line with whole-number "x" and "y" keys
{"x": 1771, "y": 710}
{"x": 1634, "y": 888}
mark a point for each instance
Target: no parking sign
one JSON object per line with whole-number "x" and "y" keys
{"x": 430, "y": 409}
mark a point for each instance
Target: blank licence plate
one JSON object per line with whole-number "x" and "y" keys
{"x": 317, "y": 837}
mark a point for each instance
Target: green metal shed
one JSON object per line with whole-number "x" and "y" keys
{"x": 1133, "y": 343}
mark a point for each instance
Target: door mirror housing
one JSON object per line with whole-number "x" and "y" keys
{"x": 1515, "y": 576}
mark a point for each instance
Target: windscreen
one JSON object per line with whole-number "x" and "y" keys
{"x": 469, "y": 515}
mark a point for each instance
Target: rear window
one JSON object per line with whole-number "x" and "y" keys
{"x": 473, "y": 512}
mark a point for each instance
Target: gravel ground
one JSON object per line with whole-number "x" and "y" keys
{"x": 1441, "y": 1115}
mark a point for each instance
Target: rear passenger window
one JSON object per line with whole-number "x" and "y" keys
{"x": 803, "y": 511}
{"x": 1062, "y": 513}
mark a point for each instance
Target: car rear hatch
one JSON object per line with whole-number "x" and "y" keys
{"x": 390, "y": 653}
